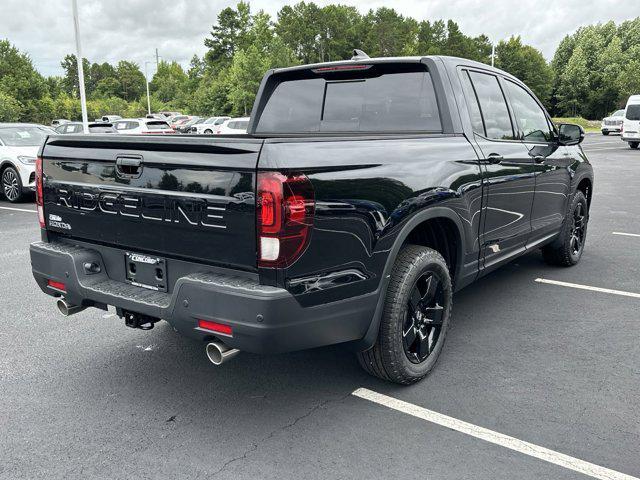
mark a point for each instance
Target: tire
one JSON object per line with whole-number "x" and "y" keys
{"x": 568, "y": 249}
{"x": 605, "y": 132}
{"x": 208, "y": 132}
{"x": 633, "y": 145}
{"x": 395, "y": 356}
{"x": 11, "y": 185}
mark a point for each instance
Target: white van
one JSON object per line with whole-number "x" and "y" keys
{"x": 631, "y": 125}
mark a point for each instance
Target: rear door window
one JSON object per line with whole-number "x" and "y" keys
{"x": 493, "y": 106}
{"x": 380, "y": 101}
{"x": 633, "y": 112}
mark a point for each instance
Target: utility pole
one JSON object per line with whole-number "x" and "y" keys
{"x": 83, "y": 98}
{"x": 157, "y": 60}
{"x": 493, "y": 53}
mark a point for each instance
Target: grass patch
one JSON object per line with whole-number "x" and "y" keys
{"x": 588, "y": 125}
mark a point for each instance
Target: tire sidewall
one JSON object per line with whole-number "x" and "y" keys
{"x": 427, "y": 261}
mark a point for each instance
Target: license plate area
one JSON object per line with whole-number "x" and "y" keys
{"x": 146, "y": 271}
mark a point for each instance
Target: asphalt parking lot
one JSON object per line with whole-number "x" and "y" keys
{"x": 549, "y": 364}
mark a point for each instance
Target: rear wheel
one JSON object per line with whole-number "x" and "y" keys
{"x": 633, "y": 144}
{"x": 208, "y": 132}
{"x": 11, "y": 185}
{"x": 415, "y": 319}
{"x": 605, "y": 132}
{"x": 573, "y": 236}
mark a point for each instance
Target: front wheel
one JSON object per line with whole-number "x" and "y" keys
{"x": 634, "y": 144}
{"x": 605, "y": 132}
{"x": 11, "y": 185}
{"x": 415, "y": 318}
{"x": 208, "y": 132}
{"x": 567, "y": 250}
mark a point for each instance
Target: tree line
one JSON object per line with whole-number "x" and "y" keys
{"x": 592, "y": 72}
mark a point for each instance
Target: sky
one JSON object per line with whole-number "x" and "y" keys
{"x": 113, "y": 30}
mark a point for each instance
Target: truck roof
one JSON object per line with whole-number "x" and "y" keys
{"x": 450, "y": 61}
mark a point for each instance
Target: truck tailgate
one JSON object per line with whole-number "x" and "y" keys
{"x": 191, "y": 198}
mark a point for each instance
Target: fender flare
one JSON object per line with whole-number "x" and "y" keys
{"x": 430, "y": 213}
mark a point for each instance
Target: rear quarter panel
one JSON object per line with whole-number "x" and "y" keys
{"x": 366, "y": 190}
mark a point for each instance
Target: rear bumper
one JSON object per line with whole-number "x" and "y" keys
{"x": 264, "y": 319}
{"x": 610, "y": 128}
{"x": 630, "y": 139}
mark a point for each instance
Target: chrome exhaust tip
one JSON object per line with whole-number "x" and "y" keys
{"x": 218, "y": 352}
{"x": 67, "y": 309}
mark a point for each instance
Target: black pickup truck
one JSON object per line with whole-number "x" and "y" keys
{"x": 364, "y": 194}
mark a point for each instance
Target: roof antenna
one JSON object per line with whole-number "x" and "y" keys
{"x": 359, "y": 55}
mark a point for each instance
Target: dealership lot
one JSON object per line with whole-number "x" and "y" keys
{"x": 529, "y": 355}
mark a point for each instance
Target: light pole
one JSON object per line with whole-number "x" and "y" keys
{"x": 146, "y": 80}
{"x": 83, "y": 98}
{"x": 493, "y": 53}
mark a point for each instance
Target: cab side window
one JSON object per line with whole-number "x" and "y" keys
{"x": 472, "y": 102}
{"x": 530, "y": 117}
{"x": 493, "y": 106}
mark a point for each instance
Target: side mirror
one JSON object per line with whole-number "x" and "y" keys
{"x": 570, "y": 134}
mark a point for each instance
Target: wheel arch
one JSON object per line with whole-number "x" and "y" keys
{"x": 585, "y": 185}
{"x": 414, "y": 224}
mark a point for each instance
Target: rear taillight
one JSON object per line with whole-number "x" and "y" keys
{"x": 285, "y": 217}
{"x": 39, "y": 190}
{"x": 215, "y": 327}
{"x": 57, "y": 285}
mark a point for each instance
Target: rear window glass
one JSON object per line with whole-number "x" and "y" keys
{"x": 157, "y": 125}
{"x": 387, "y": 102}
{"x": 633, "y": 112}
{"x": 238, "y": 125}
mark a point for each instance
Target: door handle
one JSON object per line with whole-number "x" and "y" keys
{"x": 129, "y": 166}
{"x": 494, "y": 158}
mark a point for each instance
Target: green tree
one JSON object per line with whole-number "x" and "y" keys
{"x": 20, "y": 81}
{"x": 70, "y": 81}
{"x": 389, "y": 33}
{"x": 526, "y": 63}
{"x": 132, "y": 81}
{"x": 574, "y": 85}
{"x": 10, "y": 108}
{"x": 228, "y": 35}
{"x": 169, "y": 82}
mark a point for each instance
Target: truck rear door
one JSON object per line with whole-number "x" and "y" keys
{"x": 186, "y": 198}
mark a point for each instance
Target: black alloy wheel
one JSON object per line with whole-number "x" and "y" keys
{"x": 578, "y": 230}
{"x": 11, "y": 184}
{"x": 423, "y": 317}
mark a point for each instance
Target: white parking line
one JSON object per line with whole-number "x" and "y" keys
{"x": 587, "y": 287}
{"x": 18, "y": 209}
{"x": 626, "y": 234}
{"x": 496, "y": 438}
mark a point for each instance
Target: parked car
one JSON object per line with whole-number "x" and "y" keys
{"x": 364, "y": 194}
{"x": 59, "y": 121}
{"x": 168, "y": 114}
{"x": 177, "y": 120}
{"x": 143, "y": 125}
{"x": 19, "y": 145}
{"x": 157, "y": 116}
{"x": 94, "y": 127}
{"x": 631, "y": 124}
{"x": 233, "y": 126}
{"x": 612, "y": 123}
{"x": 209, "y": 126}
{"x": 108, "y": 118}
{"x": 186, "y": 126}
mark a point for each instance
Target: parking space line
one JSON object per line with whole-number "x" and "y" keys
{"x": 626, "y": 234}
{"x": 18, "y": 209}
{"x": 587, "y": 287}
{"x": 491, "y": 436}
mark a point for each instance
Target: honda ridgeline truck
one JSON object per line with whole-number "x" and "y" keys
{"x": 364, "y": 193}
